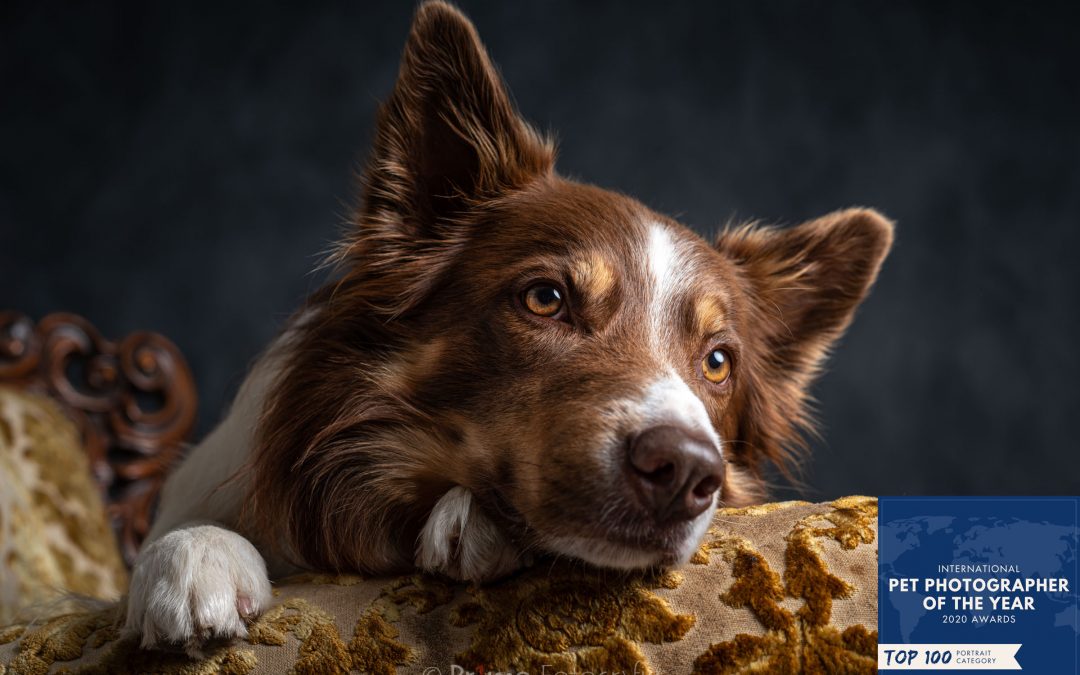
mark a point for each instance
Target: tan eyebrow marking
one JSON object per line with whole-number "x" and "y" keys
{"x": 709, "y": 314}
{"x": 593, "y": 274}
{"x": 411, "y": 366}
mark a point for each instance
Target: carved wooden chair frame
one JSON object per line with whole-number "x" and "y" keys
{"x": 134, "y": 402}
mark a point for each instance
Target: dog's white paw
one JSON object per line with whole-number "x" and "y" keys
{"x": 196, "y": 584}
{"x": 458, "y": 540}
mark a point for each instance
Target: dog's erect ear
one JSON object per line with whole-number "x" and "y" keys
{"x": 806, "y": 281}
{"x": 803, "y": 285}
{"x": 449, "y": 135}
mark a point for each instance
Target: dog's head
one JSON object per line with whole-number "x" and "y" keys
{"x": 599, "y": 376}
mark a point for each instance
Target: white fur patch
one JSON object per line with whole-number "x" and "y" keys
{"x": 193, "y": 584}
{"x": 669, "y": 400}
{"x": 604, "y": 553}
{"x": 668, "y": 272}
{"x": 200, "y": 489}
{"x": 460, "y": 541}
{"x": 661, "y": 256}
{"x": 698, "y": 528}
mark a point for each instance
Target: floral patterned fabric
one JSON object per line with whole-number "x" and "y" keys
{"x": 54, "y": 533}
{"x": 779, "y": 588}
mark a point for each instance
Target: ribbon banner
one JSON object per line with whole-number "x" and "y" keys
{"x": 947, "y": 657}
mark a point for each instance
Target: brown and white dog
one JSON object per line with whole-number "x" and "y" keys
{"x": 509, "y": 363}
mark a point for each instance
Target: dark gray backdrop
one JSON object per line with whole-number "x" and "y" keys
{"x": 179, "y": 167}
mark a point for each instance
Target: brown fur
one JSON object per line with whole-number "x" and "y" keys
{"x": 417, "y": 370}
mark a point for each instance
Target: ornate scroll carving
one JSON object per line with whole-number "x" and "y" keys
{"x": 134, "y": 401}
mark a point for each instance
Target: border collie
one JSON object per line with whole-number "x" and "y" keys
{"x": 507, "y": 364}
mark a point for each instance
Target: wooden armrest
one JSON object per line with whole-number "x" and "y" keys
{"x": 134, "y": 402}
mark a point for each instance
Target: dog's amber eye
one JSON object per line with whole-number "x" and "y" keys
{"x": 716, "y": 366}
{"x": 543, "y": 300}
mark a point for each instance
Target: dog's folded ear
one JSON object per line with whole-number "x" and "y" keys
{"x": 806, "y": 281}
{"x": 803, "y": 285}
{"x": 449, "y": 135}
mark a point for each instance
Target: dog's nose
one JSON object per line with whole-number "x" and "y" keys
{"x": 675, "y": 472}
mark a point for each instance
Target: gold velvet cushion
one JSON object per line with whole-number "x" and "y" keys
{"x": 55, "y": 537}
{"x": 780, "y": 588}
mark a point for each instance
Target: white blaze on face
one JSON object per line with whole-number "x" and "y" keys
{"x": 669, "y": 399}
{"x": 668, "y": 272}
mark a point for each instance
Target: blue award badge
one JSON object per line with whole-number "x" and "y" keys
{"x": 978, "y": 584}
